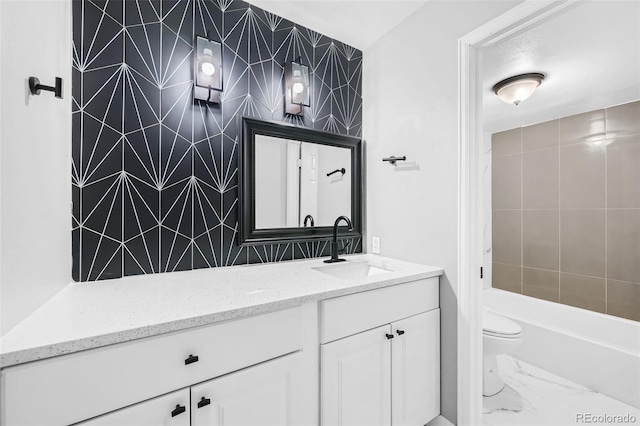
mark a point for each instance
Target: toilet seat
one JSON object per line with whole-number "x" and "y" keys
{"x": 498, "y": 326}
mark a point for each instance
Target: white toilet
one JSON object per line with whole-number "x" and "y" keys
{"x": 500, "y": 335}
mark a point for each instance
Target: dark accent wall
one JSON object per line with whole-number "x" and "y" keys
{"x": 155, "y": 173}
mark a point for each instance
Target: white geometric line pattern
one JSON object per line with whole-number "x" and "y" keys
{"x": 155, "y": 174}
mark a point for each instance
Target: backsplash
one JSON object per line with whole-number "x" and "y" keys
{"x": 566, "y": 210}
{"x": 155, "y": 174}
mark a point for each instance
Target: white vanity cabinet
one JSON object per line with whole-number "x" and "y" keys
{"x": 268, "y": 394}
{"x": 167, "y": 410}
{"x": 73, "y": 388}
{"x": 415, "y": 369}
{"x": 380, "y": 357}
{"x": 356, "y": 379}
{"x": 352, "y": 351}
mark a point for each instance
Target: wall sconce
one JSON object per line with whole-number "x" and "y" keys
{"x": 207, "y": 59}
{"x": 296, "y": 80}
{"x": 516, "y": 89}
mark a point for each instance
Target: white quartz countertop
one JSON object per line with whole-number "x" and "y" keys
{"x": 93, "y": 314}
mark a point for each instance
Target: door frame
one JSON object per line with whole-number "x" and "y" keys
{"x": 470, "y": 195}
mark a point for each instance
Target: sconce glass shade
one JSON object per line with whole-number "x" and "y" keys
{"x": 296, "y": 87}
{"x": 514, "y": 90}
{"x": 207, "y": 57}
{"x": 207, "y": 63}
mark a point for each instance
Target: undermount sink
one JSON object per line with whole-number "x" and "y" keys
{"x": 352, "y": 270}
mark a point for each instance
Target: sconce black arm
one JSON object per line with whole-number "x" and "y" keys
{"x": 342, "y": 170}
{"x": 35, "y": 87}
{"x": 393, "y": 159}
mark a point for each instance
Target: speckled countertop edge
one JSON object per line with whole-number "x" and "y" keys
{"x": 91, "y": 315}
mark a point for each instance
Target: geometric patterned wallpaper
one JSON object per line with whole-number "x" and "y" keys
{"x": 155, "y": 173}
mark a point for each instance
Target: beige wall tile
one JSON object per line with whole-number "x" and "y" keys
{"x": 541, "y": 239}
{"x": 540, "y": 179}
{"x": 542, "y": 135}
{"x": 541, "y": 284}
{"x": 566, "y": 211}
{"x": 583, "y": 292}
{"x": 582, "y": 127}
{"x": 582, "y": 176}
{"x": 582, "y": 242}
{"x": 506, "y": 236}
{"x": 506, "y": 277}
{"x": 623, "y": 172}
{"x": 623, "y": 119}
{"x": 506, "y": 182}
{"x": 623, "y": 245}
{"x": 508, "y": 142}
{"x": 623, "y": 299}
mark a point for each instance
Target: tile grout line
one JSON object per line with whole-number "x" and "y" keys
{"x": 521, "y": 212}
{"x": 606, "y": 222}
{"x": 560, "y": 145}
{"x": 559, "y": 215}
{"x": 123, "y": 183}
{"x": 552, "y": 270}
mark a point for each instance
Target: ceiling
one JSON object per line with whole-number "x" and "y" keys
{"x": 358, "y": 23}
{"x": 590, "y": 53}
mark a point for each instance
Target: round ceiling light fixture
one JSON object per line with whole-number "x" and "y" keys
{"x": 516, "y": 89}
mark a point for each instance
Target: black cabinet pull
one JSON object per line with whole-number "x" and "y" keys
{"x": 204, "y": 401}
{"x": 390, "y": 336}
{"x": 400, "y": 332}
{"x": 179, "y": 410}
{"x": 191, "y": 359}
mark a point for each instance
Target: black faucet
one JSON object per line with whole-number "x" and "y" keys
{"x": 310, "y": 218}
{"x": 334, "y": 243}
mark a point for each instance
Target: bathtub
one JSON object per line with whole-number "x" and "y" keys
{"x": 598, "y": 351}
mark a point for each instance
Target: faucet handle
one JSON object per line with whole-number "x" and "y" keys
{"x": 343, "y": 250}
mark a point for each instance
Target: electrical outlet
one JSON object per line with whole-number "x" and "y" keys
{"x": 375, "y": 245}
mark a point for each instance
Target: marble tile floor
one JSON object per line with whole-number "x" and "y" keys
{"x": 535, "y": 397}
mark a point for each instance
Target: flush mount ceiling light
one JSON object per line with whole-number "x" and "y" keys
{"x": 516, "y": 89}
{"x": 207, "y": 58}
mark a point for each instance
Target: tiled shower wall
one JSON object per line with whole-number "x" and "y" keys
{"x": 566, "y": 210}
{"x": 155, "y": 174}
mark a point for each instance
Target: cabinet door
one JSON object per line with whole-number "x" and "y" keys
{"x": 416, "y": 369}
{"x": 356, "y": 380}
{"x": 168, "y": 410}
{"x": 268, "y": 394}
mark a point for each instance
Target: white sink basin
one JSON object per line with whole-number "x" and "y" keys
{"x": 352, "y": 270}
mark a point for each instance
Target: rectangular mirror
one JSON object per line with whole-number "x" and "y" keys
{"x": 295, "y": 182}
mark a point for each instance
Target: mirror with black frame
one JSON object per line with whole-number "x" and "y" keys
{"x": 295, "y": 182}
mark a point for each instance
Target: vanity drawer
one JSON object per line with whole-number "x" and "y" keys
{"x": 71, "y": 388}
{"x": 347, "y": 315}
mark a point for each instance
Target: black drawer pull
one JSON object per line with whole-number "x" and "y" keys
{"x": 191, "y": 359}
{"x": 400, "y": 332}
{"x": 390, "y": 336}
{"x": 204, "y": 401}
{"x": 179, "y": 410}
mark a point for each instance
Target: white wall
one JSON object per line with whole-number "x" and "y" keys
{"x": 271, "y": 182}
{"x": 334, "y": 192}
{"x": 410, "y": 80}
{"x": 486, "y": 211}
{"x": 309, "y": 182}
{"x": 35, "y": 168}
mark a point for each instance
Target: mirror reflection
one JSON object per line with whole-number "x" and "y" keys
{"x": 295, "y": 181}
{"x": 300, "y": 184}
